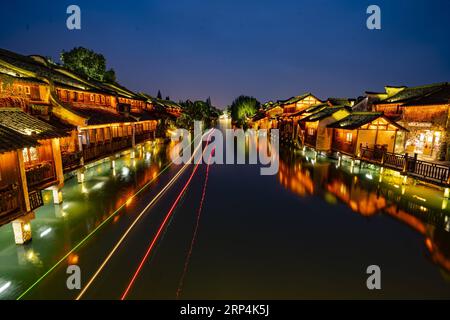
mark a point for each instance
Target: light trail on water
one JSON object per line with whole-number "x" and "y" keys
{"x": 117, "y": 245}
{"x": 161, "y": 227}
{"x": 197, "y": 224}
{"x": 87, "y": 237}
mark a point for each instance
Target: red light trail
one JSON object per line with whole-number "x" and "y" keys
{"x": 161, "y": 227}
{"x": 194, "y": 237}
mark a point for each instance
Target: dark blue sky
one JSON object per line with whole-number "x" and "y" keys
{"x": 223, "y": 48}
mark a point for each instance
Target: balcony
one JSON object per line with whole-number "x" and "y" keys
{"x": 9, "y": 199}
{"x": 36, "y": 200}
{"x": 144, "y": 136}
{"x": 40, "y": 174}
{"x": 101, "y": 150}
{"x": 71, "y": 160}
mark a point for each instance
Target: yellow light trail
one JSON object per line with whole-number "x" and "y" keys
{"x": 113, "y": 251}
{"x": 42, "y": 277}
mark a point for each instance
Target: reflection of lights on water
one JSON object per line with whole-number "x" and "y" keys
{"x": 84, "y": 189}
{"x": 369, "y": 176}
{"x": 73, "y": 259}
{"x": 129, "y": 201}
{"x": 65, "y": 206}
{"x": 98, "y": 185}
{"x": 26, "y": 227}
{"x": 5, "y": 286}
{"x": 30, "y": 255}
{"x": 45, "y": 232}
{"x": 444, "y": 205}
{"x": 125, "y": 171}
{"x": 419, "y": 198}
{"x": 396, "y": 186}
{"x": 148, "y": 156}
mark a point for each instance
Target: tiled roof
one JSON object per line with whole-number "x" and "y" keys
{"x": 295, "y": 99}
{"x": 409, "y": 93}
{"x": 322, "y": 114}
{"x": 145, "y": 115}
{"x": 26, "y": 124}
{"x": 437, "y": 97}
{"x": 102, "y": 116}
{"x": 259, "y": 115}
{"x": 314, "y": 108}
{"x": 341, "y": 101}
{"x": 357, "y": 119}
{"x": 12, "y": 140}
{"x": 60, "y": 75}
{"x": 59, "y": 124}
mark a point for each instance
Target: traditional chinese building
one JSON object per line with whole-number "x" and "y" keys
{"x": 367, "y": 129}
{"x": 62, "y": 121}
{"x": 315, "y": 132}
{"x": 33, "y": 163}
{"x": 424, "y": 111}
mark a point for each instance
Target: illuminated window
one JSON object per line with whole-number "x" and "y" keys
{"x": 349, "y": 137}
{"x": 311, "y": 131}
{"x": 91, "y": 97}
{"x": 27, "y": 90}
{"x": 30, "y": 154}
{"x": 103, "y": 99}
{"x": 19, "y": 89}
{"x": 437, "y": 136}
{"x": 25, "y": 155}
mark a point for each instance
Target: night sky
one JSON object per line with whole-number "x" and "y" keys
{"x": 223, "y": 48}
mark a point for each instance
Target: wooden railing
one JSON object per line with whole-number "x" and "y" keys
{"x": 144, "y": 136}
{"x": 70, "y": 160}
{"x": 35, "y": 199}
{"x": 40, "y": 173}
{"x": 408, "y": 165}
{"x": 429, "y": 170}
{"x": 310, "y": 140}
{"x": 100, "y": 150}
{"x": 9, "y": 199}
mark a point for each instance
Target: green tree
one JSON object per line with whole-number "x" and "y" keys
{"x": 196, "y": 111}
{"x": 87, "y": 63}
{"x": 110, "y": 76}
{"x": 243, "y": 108}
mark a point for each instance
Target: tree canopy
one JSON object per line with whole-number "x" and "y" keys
{"x": 197, "y": 111}
{"x": 242, "y": 108}
{"x": 87, "y": 63}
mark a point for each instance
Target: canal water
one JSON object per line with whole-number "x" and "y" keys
{"x": 310, "y": 231}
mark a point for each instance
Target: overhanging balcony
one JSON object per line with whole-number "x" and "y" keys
{"x": 40, "y": 174}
